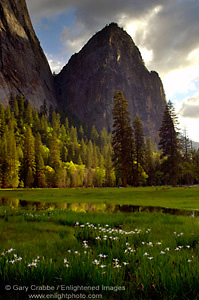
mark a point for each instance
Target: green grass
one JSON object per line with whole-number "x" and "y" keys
{"x": 157, "y": 253}
{"x": 181, "y": 197}
{"x": 49, "y": 235}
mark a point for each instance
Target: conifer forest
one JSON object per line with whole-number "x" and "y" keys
{"x": 40, "y": 148}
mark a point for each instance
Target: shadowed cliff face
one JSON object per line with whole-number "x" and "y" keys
{"x": 23, "y": 65}
{"x": 110, "y": 61}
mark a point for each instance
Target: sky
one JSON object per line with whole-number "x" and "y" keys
{"x": 165, "y": 31}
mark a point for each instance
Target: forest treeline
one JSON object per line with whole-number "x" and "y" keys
{"x": 39, "y": 149}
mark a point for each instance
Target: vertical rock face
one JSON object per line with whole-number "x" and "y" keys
{"x": 23, "y": 65}
{"x": 110, "y": 61}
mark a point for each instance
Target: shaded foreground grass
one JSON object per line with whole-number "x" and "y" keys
{"x": 181, "y": 197}
{"x": 135, "y": 256}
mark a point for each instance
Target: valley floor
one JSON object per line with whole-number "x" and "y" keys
{"x": 118, "y": 255}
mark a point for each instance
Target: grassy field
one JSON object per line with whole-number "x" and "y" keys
{"x": 182, "y": 197}
{"x": 121, "y": 256}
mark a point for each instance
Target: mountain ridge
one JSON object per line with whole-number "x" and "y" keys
{"x": 110, "y": 61}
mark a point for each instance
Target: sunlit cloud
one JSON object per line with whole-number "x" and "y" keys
{"x": 182, "y": 81}
{"x": 55, "y": 63}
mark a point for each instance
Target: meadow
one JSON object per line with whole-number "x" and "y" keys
{"x": 111, "y": 255}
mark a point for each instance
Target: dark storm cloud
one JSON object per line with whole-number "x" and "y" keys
{"x": 172, "y": 33}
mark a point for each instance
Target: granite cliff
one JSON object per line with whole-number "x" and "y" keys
{"x": 85, "y": 87}
{"x": 23, "y": 65}
{"x": 110, "y": 61}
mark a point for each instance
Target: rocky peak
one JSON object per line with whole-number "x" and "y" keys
{"x": 110, "y": 61}
{"x": 23, "y": 65}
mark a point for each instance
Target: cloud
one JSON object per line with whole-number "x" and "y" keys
{"x": 168, "y": 28}
{"x": 73, "y": 39}
{"x": 183, "y": 80}
{"x": 190, "y": 108}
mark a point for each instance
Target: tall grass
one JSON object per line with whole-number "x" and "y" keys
{"x": 137, "y": 256}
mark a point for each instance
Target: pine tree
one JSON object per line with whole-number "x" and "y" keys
{"x": 122, "y": 136}
{"x": 2, "y": 120}
{"x": 169, "y": 143}
{"x": 28, "y": 115}
{"x": 40, "y": 180}
{"x": 83, "y": 151}
{"x": 139, "y": 148}
{"x": 89, "y": 155}
{"x": 149, "y": 162}
{"x": 109, "y": 168}
{"x": 55, "y": 158}
{"x": 94, "y": 135}
{"x": 28, "y": 157}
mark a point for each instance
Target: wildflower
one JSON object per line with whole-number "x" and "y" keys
{"x": 125, "y": 263}
{"x": 116, "y": 260}
{"x": 76, "y": 252}
{"x": 82, "y": 226}
{"x": 143, "y": 243}
{"x": 158, "y": 243}
{"x": 150, "y": 258}
{"x": 77, "y": 223}
{"x": 12, "y": 261}
{"x": 32, "y": 265}
{"x": 187, "y": 246}
{"x": 150, "y": 244}
{"x": 65, "y": 261}
{"x": 19, "y": 259}
{"x": 69, "y": 251}
{"x": 98, "y": 238}
{"x": 177, "y": 249}
{"x": 166, "y": 249}
{"x": 3, "y": 254}
{"x": 101, "y": 255}
{"x": 10, "y": 250}
{"x": 117, "y": 266}
{"x": 67, "y": 265}
{"x": 96, "y": 262}
{"x": 102, "y": 266}
{"x": 189, "y": 260}
{"x": 145, "y": 254}
{"x": 162, "y": 252}
{"x": 127, "y": 244}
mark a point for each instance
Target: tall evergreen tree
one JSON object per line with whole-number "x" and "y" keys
{"x": 169, "y": 143}
{"x": 139, "y": 148}
{"x": 122, "y": 136}
{"x": 55, "y": 158}
{"x": 28, "y": 166}
{"x": 149, "y": 162}
{"x": 40, "y": 180}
